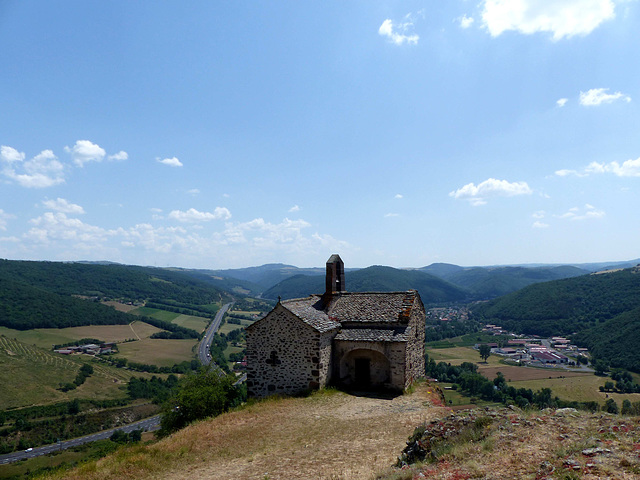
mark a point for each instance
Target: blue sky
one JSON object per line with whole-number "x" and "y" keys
{"x": 231, "y": 134}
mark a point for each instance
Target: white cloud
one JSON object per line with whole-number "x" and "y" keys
{"x": 398, "y": 196}
{"x": 466, "y": 22}
{"x": 562, "y": 18}
{"x": 57, "y": 226}
{"x": 391, "y": 215}
{"x": 193, "y": 192}
{"x": 62, "y": 205}
{"x": 629, "y": 168}
{"x": 85, "y": 151}
{"x": 477, "y": 194}
{"x": 598, "y": 96}
{"x": 10, "y": 155}
{"x": 172, "y": 162}
{"x": 4, "y": 217}
{"x": 295, "y": 208}
{"x": 588, "y": 212}
{"x": 397, "y": 33}
{"x": 193, "y": 215}
{"x": 561, "y": 102}
{"x": 118, "y": 157}
{"x": 43, "y": 170}
{"x": 540, "y": 214}
{"x": 539, "y": 224}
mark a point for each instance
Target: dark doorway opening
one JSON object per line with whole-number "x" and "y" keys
{"x": 363, "y": 372}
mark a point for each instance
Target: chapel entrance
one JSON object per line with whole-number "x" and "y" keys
{"x": 364, "y": 369}
{"x": 362, "y": 372}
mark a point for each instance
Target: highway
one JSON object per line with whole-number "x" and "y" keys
{"x": 148, "y": 424}
{"x": 203, "y": 348}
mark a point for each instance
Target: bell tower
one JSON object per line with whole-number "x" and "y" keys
{"x": 335, "y": 275}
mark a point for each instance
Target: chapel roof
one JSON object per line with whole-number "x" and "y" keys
{"x": 389, "y": 308}
{"x": 398, "y": 334}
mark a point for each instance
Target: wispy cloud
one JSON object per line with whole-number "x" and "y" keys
{"x": 561, "y": 102}
{"x": 599, "y": 96}
{"x": 193, "y": 215}
{"x": 539, "y": 224}
{"x": 391, "y": 215}
{"x": 62, "y": 205}
{"x": 398, "y": 196}
{"x": 171, "y": 162}
{"x": 563, "y": 19}
{"x": 295, "y": 208}
{"x": 4, "y": 217}
{"x": 588, "y": 212}
{"x": 478, "y": 194}
{"x": 399, "y": 33}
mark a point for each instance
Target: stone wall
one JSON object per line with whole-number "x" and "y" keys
{"x": 415, "y": 346}
{"x": 284, "y": 355}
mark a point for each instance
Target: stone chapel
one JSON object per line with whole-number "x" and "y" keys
{"x": 370, "y": 340}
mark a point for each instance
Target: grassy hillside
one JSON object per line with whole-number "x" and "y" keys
{"x": 373, "y": 279}
{"x": 30, "y": 375}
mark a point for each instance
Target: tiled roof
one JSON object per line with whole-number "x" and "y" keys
{"x": 372, "y": 307}
{"x": 308, "y": 310}
{"x": 399, "y": 334}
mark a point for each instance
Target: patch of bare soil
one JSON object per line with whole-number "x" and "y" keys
{"x": 331, "y": 436}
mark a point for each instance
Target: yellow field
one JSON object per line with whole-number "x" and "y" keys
{"x": 199, "y": 324}
{"x": 158, "y": 351}
{"x": 458, "y": 355}
{"x": 47, "y": 337}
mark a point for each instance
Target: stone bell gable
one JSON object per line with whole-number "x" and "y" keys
{"x": 352, "y": 339}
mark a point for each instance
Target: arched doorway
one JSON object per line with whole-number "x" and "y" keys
{"x": 363, "y": 368}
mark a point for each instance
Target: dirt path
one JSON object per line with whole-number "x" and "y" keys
{"x": 335, "y": 436}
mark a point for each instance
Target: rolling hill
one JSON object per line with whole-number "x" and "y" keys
{"x": 491, "y": 282}
{"x": 373, "y": 279}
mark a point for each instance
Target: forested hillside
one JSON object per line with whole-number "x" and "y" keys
{"x": 46, "y": 294}
{"x": 373, "y": 279}
{"x": 115, "y": 281}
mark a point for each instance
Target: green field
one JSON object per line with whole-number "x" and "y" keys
{"x": 156, "y": 351}
{"x": 155, "y": 313}
{"x": 229, "y": 327}
{"x": 30, "y": 376}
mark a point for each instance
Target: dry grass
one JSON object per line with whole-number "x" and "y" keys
{"x": 158, "y": 351}
{"x": 326, "y": 436}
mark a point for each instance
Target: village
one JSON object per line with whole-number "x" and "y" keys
{"x": 535, "y": 351}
